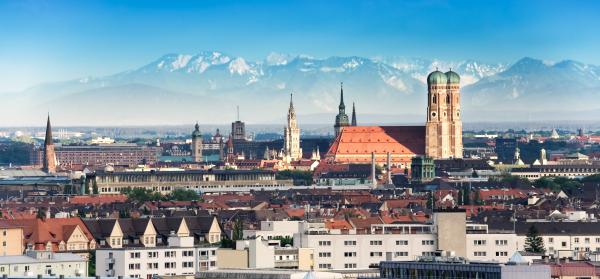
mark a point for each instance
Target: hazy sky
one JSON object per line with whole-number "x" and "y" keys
{"x": 57, "y": 40}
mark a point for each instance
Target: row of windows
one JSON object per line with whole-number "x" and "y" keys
{"x": 170, "y": 254}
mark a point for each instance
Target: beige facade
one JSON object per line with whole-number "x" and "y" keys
{"x": 444, "y": 124}
{"x": 232, "y": 258}
{"x": 450, "y": 226}
{"x": 306, "y": 258}
{"x": 11, "y": 241}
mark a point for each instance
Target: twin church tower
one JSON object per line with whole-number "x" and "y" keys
{"x": 443, "y": 130}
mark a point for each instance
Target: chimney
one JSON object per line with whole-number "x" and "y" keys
{"x": 373, "y": 172}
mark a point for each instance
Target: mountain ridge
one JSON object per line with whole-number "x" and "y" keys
{"x": 214, "y": 82}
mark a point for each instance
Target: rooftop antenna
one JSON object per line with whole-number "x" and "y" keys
{"x": 238, "y": 113}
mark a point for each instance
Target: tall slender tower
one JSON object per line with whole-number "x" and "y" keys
{"x": 341, "y": 120}
{"x": 50, "y": 161}
{"x": 291, "y": 135}
{"x": 444, "y": 126}
{"x": 353, "y": 114}
{"x": 197, "y": 144}
{"x": 230, "y": 153}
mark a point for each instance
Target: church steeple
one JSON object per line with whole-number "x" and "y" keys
{"x": 342, "y": 106}
{"x": 291, "y": 135}
{"x": 353, "y": 115}
{"x": 48, "y": 138}
{"x": 341, "y": 120}
{"x": 50, "y": 162}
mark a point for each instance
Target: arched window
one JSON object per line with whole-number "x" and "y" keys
{"x": 434, "y": 100}
{"x": 447, "y": 99}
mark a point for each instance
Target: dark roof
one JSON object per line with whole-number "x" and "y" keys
{"x": 559, "y": 228}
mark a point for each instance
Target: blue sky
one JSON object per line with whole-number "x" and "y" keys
{"x": 56, "y": 40}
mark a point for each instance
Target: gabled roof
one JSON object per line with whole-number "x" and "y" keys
{"x": 55, "y": 230}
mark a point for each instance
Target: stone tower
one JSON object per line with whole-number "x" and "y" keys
{"x": 291, "y": 136}
{"x": 443, "y": 137}
{"x": 197, "y": 144}
{"x": 341, "y": 120}
{"x": 50, "y": 161}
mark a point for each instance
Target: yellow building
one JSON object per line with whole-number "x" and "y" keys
{"x": 11, "y": 240}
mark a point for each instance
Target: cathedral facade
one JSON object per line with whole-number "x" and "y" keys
{"x": 441, "y": 137}
{"x": 291, "y": 136}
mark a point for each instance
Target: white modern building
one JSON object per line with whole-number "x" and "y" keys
{"x": 45, "y": 263}
{"x": 275, "y": 229}
{"x": 179, "y": 257}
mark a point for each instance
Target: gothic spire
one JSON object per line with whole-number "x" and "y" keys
{"x": 342, "y": 107}
{"x": 353, "y": 115}
{"x": 48, "y": 138}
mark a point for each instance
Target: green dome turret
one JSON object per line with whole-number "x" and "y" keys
{"x": 196, "y": 132}
{"x": 437, "y": 77}
{"x": 453, "y": 77}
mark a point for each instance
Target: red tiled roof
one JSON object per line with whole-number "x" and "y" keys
{"x": 295, "y": 212}
{"x": 365, "y": 223}
{"x": 360, "y": 141}
{"x": 488, "y": 194}
{"x": 573, "y": 270}
{"x": 99, "y": 199}
{"x": 39, "y": 232}
{"x": 338, "y": 225}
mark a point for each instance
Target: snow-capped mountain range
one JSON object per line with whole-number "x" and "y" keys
{"x": 206, "y": 87}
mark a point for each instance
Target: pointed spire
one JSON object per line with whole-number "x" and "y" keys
{"x": 353, "y": 115}
{"x": 48, "y": 138}
{"x": 292, "y": 100}
{"x": 342, "y": 106}
{"x": 197, "y": 127}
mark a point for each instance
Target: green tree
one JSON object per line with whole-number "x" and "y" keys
{"x": 92, "y": 264}
{"x": 41, "y": 213}
{"x": 466, "y": 198}
{"x": 183, "y": 195}
{"x": 284, "y": 241}
{"x": 95, "y": 188}
{"x": 430, "y": 200}
{"x": 534, "y": 242}
{"x": 299, "y": 177}
{"x": 238, "y": 230}
{"x": 141, "y": 195}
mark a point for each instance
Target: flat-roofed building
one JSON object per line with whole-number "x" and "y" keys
{"x": 45, "y": 263}
{"x": 102, "y": 154}
{"x": 109, "y": 182}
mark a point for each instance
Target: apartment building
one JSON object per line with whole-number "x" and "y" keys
{"x": 447, "y": 232}
{"x": 352, "y": 249}
{"x": 46, "y": 263}
{"x": 180, "y": 257}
